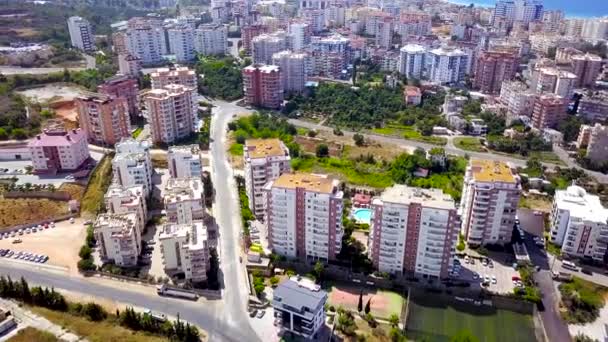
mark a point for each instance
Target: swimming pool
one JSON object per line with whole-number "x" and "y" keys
{"x": 363, "y": 215}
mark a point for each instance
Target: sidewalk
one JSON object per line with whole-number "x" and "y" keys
{"x": 26, "y": 318}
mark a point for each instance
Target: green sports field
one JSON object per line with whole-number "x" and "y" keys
{"x": 433, "y": 321}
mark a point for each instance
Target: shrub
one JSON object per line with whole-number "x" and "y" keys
{"x": 274, "y": 281}
{"x": 85, "y": 252}
{"x": 86, "y": 265}
{"x": 94, "y": 312}
{"x": 322, "y": 151}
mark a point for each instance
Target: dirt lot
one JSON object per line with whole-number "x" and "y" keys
{"x": 15, "y": 211}
{"x": 66, "y": 110}
{"x": 61, "y": 243}
{"x": 310, "y": 145}
{"x": 52, "y": 92}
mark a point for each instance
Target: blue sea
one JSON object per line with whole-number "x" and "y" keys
{"x": 572, "y": 8}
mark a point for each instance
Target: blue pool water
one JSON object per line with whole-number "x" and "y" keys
{"x": 363, "y": 215}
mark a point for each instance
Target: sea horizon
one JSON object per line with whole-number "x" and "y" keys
{"x": 582, "y": 8}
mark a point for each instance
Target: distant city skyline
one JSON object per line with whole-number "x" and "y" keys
{"x": 572, "y": 9}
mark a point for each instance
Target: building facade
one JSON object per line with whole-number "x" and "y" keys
{"x": 294, "y": 69}
{"x": 304, "y": 216}
{"x": 185, "y": 248}
{"x": 105, "y": 119}
{"x": 124, "y": 200}
{"x": 578, "y": 224}
{"x": 184, "y": 161}
{"x": 447, "y": 66}
{"x": 119, "y": 239}
{"x": 414, "y": 231}
{"x": 132, "y": 165}
{"x": 411, "y": 61}
{"x": 171, "y": 113}
{"x": 587, "y": 68}
{"x": 597, "y": 150}
{"x": 263, "y": 86}
{"x": 211, "y": 39}
{"x": 122, "y": 86}
{"x": 265, "y": 161}
{"x": 549, "y": 110}
{"x": 81, "y": 34}
{"x": 184, "y": 200}
{"x": 492, "y": 68}
{"x": 58, "y": 150}
{"x": 490, "y": 197}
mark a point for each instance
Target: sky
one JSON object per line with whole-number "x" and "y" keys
{"x": 572, "y": 8}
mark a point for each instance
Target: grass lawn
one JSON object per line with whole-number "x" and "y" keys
{"x": 582, "y": 299}
{"x": 383, "y": 303}
{"x": 409, "y": 133}
{"x": 543, "y": 156}
{"x": 236, "y": 149}
{"x": 469, "y": 144}
{"x": 75, "y": 190}
{"x": 98, "y": 184}
{"x": 432, "y": 320}
{"x": 137, "y": 132}
{"x": 30, "y": 334}
{"x": 356, "y": 173}
{"x": 542, "y": 203}
{"x": 15, "y": 211}
{"x": 95, "y": 331}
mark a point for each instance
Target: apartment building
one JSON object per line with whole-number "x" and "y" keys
{"x": 184, "y": 161}
{"x": 128, "y": 64}
{"x": 251, "y": 31}
{"x": 579, "y": 224}
{"x": 181, "y": 43}
{"x": 105, "y": 119}
{"x": 304, "y": 216}
{"x": 146, "y": 40}
{"x": 294, "y": 69}
{"x": 179, "y": 75}
{"x": 265, "y": 161}
{"x": 123, "y": 200}
{"x": 299, "y": 33}
{"x": 597, "y": 150}
{"x": 122, "y": 86}
{"x": 453, "y": 104}
{"x": 58, "y": 150}
{"x": 584, "y": 135}
{"x": 594, "y": 107}
{"x": 411, "y": 61}
{"x": 412, "y": 96}
{"x": 119, "y": 239}
{"x": 132, "y": 165}
{"x": 171, "y": 113}
{"x": 414, "y": 231}
{"x": 587, "y": 68}
{"x": 185, "y": 248}
{"x": 298, "y": 305}
{"x": 81, "y": 34}
{"x": 413, "y": 24}
{"x": 518, "y": 99}
{"x": 211, "y": 39}
{"x": 553, "y": 80}
{"x": 490, "y": 197}
{"x": 447, "y": 66}
{"x": 183, "y": 200}
{"x": 492, "y": 68}
{"x": 548, "y": 111}
{"x": 266, "y": 45}
{"x": 263, "y": 86}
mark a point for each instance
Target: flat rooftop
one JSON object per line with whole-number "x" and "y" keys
{"x": 310, "y": 182}
{"x": 262, "y": 148}
{"x": 403, "y": 194}
{"x": 491, "y": 171}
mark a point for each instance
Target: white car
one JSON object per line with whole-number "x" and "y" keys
{"x": 494, "y": 281}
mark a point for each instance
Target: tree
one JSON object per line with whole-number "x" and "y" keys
{"x": 3, "y": 134}
{"x": 318, "y": 270}
{"x": 274, "y": 281}
{"x": 19, "y": 133}
{"x": 393, "y": 319}
{"x": 360, "y": 304}
{"x": 312, "y": 133}
{"x": 396, "y": 335}
{"x": 580, "y": 337}
{"x": 322, "y": 151}
{"x": 359, "y": 139}
{"x": 368, "y": 305}
{"x": 85, "y": 252}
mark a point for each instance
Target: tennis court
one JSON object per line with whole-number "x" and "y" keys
{"x": 383, "y": 303}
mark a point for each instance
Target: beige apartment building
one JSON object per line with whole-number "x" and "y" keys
{"x": 171, "y": 113}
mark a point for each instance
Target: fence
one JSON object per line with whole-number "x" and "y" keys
{"x": 32, "y": 224}
{"x": 56, "y": 195}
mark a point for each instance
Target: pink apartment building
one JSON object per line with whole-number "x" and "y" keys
{"x": 414, "y": 231}
{"x": 105, "y": 119}
{"x": 262, "y": 86}
{"x": 57, "y": 150}
{"x": 304, "y": 216}
{"x": 122, "y": 86}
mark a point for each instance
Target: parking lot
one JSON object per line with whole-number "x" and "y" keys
{"x": 60, "y": 243}
{"x": 497, "y": 274}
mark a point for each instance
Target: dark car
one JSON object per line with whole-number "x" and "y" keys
{"x": 587, "y": 271}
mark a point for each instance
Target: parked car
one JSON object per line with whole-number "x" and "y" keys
{"x": 261, "y": 313}
{"x": 253, "y": 312}
{"x": 17, "y": 241}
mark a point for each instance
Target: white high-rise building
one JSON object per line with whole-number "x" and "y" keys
{"x": 447, "y": 66}
{"x": 300, "y": 35}
{"x": 146, "y": 40}
{"x": 579, "y": 224}
{"x": 184, "y": 161}
{"x": 181, "y": 43}
{"x": 211, "y": 39}
{"x": 490, "y": 197}
{"x": 524, "y": 11}
{"x": 185, "y": 248}
{"x": 119, "y": 238}
{"x": 265, "y": 161}
{"x": 595, "y": 29}
{"x": 81, "y": 34}
{"x": 411, "y": 61}
{"x": 304, "y": 216}
{"x": 294, "y": 69}
{"x": 266, "y": 45}
{"x": 414, "y": 231}
{"x": 184, "y": 200}
{"x": 171, "y": 113}
{"x": 132, "y": 165}
{"x": 123, "y": 200}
